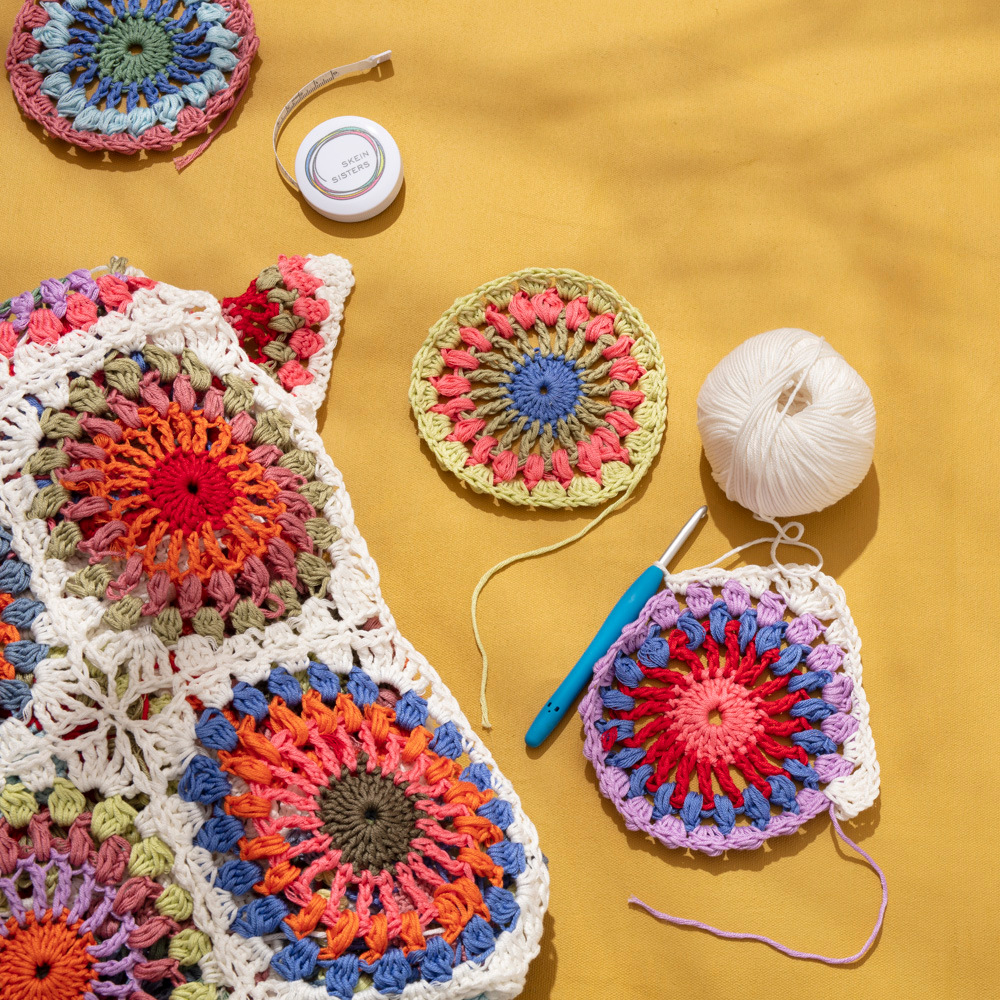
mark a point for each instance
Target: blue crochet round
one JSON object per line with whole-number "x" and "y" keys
{"x": 545, "y": 387}
{"x": 119, "y": 69}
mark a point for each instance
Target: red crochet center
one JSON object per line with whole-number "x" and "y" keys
{"x": 682, "y": 734}
{"x": 190, "y": 490}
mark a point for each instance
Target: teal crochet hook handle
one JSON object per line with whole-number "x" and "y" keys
{"x": 626, "y": 610}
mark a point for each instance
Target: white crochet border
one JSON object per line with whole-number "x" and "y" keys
{"x": 173, "y": 319}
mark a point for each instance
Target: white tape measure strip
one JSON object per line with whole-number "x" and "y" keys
{"x": 362, "y": 66}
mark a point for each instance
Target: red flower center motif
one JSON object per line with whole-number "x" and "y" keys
{"x": 191, "y": 490}
{"x": 163, "y": 488}
{"x": 190, "y": 501}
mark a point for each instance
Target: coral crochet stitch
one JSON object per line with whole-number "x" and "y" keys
{"x": 227, "y": 772}
{"x": 731, "y": 711}
{"x": 131, "y": 75}
{"x": 351, "y": 828}
{"x": 543, "y": 388}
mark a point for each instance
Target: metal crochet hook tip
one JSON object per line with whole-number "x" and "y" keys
{"x": 682, "y": 536}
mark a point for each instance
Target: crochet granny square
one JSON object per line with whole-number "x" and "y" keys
{"x": 732, "y": 710}
{"x": 227, "y": 773}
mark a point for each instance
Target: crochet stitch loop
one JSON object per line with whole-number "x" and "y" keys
{"x": 157, "y": 475}
{"x": 275, "y": 318}
{"x": 101, "y": 916}
{"x": 713, "y": 725}
{"x": 19, "y": 653}
{"x": 543, "y": 388}
{"x": 131, "y": 75}
{"x": 357, "y": 823}
{"x": 138, "y": 671}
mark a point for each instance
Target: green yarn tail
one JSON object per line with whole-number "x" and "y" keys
{"x": 544, "y": 550}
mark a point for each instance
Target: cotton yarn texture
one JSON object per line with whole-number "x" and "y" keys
{"x": 543, "y": 388}
{"x": 732, "y": 710}
{"x": 131, "y": 75}
{"x": 787, "y": 424}
{"x": 227, "y": 772}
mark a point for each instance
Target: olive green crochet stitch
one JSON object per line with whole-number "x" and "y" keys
{"x": 512, "y": 390}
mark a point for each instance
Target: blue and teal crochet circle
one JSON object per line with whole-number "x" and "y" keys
{"x": 130, "y": 75}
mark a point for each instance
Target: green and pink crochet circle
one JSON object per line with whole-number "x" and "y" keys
{"x": 544, "y": 388}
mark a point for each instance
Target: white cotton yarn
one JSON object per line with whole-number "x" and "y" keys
{"x": 787, "y": 424}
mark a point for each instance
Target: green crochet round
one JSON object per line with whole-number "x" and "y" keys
{"x": 544, "y": 388}
{"x": 134, "y": 48}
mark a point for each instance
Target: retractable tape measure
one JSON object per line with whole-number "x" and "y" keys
{"x": 347, "y": 168}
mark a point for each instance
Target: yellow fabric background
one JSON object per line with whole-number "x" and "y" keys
{"x": 730, "y": 168}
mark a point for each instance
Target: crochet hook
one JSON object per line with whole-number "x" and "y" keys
{"x": 629, "y": 605}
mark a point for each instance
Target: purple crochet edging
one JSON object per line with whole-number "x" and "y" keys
{"x": 663, "y": 610}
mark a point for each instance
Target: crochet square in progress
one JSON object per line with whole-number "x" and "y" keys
{"x": 732, "y": 710}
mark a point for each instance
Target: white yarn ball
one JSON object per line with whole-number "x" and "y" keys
{"x": 786, "y": 464}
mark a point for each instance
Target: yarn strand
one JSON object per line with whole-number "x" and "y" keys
{"x": 784, "y": 536}
{"x": 180, "y": 162}
{"x": 770, "y": 942}
{"x": 493, "y": 570}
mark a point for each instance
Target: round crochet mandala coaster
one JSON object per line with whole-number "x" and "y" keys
{"x": 544, "y": 388}
{"x": 131, "y": 75}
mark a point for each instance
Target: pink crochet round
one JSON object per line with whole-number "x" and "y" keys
{"x": 131, "y": 75}
{"x": 712, "y": 726}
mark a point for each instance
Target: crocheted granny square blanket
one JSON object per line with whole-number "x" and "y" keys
{"x": 732, "y": 711}
{"x": 226, "y": 772}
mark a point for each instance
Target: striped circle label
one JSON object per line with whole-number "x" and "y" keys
{"x": 346, "y": 163}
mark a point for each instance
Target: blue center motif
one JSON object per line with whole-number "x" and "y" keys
{"x": 545, "y": 388}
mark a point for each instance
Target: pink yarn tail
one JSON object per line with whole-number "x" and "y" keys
{"x": 791, "y": 952}
{"x": 181, "y": 162}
